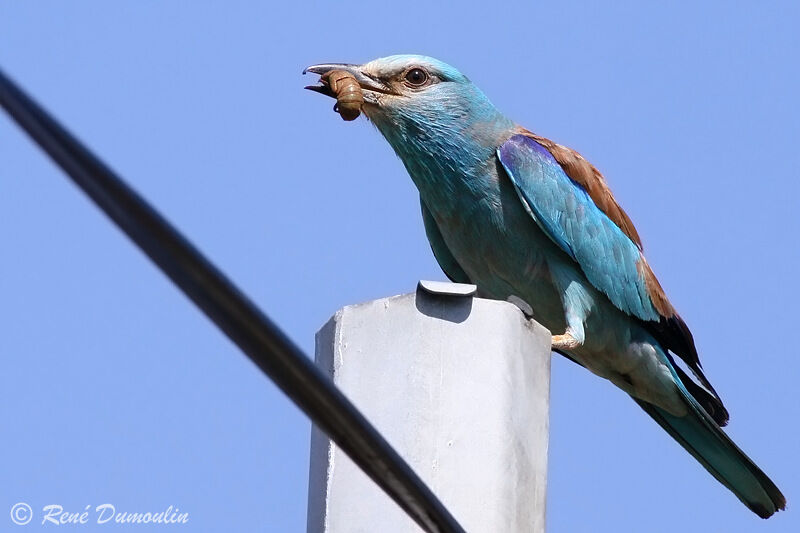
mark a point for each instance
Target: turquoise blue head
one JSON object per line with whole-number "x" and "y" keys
{"x": 421, "y": 103}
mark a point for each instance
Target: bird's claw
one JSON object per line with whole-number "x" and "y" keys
{"x": 564, "y": 342}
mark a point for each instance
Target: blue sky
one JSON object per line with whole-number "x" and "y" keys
{"x": 115, "y": 389}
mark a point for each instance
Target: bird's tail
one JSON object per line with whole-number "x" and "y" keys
{"x": 704, "y": 439}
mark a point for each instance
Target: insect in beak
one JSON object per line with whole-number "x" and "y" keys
{"x": 350, "y": 85}
{"x": 343, "y": 86}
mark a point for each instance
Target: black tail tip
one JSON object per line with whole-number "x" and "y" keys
{"x": 779, "y": 504}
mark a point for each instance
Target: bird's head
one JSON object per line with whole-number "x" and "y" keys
{"x": 413, "y": 99}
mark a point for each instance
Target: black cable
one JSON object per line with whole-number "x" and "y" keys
{"x": 263, "y": 342}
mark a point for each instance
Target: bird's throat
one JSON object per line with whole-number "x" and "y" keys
{"x": 446, "y": 159}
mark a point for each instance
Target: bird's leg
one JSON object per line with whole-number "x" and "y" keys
{"x": 565, "y": 342}
{"x": 577, "y": 303}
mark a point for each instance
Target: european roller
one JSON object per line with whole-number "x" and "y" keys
{"x": 523, "y": 217}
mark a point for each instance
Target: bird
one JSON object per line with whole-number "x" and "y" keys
{"x": 522, "y": 217}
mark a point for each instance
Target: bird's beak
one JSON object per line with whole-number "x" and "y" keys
{"x": 371, "y": 86}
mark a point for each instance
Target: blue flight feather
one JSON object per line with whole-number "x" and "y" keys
{"x": 566, "y": 213}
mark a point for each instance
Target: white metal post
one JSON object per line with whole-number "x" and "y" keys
{"x": 460, "y": 387}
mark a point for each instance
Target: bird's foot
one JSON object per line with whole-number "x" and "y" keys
{"x": 565, "y": 342}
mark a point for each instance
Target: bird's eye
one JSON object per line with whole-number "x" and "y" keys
{"x": 416, "y": 77}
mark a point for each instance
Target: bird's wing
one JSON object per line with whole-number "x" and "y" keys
{"x": 591, "y": 180}
{"x": 571, "y": 203}
{"x": 564, "y": 210}
{"x": 441, "y": 252}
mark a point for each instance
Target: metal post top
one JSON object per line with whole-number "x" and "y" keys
{"x": 460, "y": 385}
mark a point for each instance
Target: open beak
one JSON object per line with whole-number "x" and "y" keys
{"x": 370, "y": 85}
